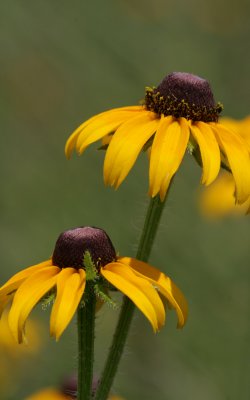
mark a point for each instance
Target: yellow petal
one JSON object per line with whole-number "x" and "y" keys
{"x": 70, "y": 288}
{"x": 126, "y": 145}
{"x": 241, "y": 127}
{"x": 27, "y": 296}
{"x": 209, "y": 149}
{"x": 167, "y": 152}
{"x": 236, "y": 151}
{"x": 101, "y": 127}
{"x": 8, "y": 289}
{"x": 3, "y": 303}
{"x": 20, "y": 276}
{"x": 165, "y": 285}
{"x": 140, "y": 291}
{"x": 71, "y": 142}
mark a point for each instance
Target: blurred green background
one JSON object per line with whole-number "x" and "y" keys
{"x": 63, "y": 61}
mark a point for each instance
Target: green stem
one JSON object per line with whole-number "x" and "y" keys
{"x": 86, "y": 336}
{"x": 151, "y": 224}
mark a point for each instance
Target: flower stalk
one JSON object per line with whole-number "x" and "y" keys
{"x": 147, "y": 238}
{"x": 86, "y": 336}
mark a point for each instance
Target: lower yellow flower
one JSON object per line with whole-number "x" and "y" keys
{"x": 82, "y": 254}
{"x": 179, "y": 115}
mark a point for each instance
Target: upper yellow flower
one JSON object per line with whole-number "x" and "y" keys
{"x": 83, "y": 254}
{"x": 219, "y": 198}
{"x": 180, "y": 113}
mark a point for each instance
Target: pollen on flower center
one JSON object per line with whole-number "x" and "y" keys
{"x": 183, "y": 95}
{"x": 72, "y": 244}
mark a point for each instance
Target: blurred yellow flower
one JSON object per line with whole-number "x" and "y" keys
{"x": 179, "y": 114}
{"x": 12, "y": 355}
{"x": 67, "y": 272}
{"x": 219, "y": 198}
{"x": 8, "y": 344}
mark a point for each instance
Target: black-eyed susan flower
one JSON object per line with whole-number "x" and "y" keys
{"x": 83, "y": 254}
{"x": 219, "y": 198}
{"x": 179, "y": 114}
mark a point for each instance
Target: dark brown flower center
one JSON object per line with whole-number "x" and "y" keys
{"x": 183, "y": 95}
{"x": 72, "y": 244}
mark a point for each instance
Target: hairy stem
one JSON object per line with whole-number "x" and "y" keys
{"x": 148, "y": 235}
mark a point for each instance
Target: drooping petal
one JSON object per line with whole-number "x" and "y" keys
{"x": 126, "y": 145}
{"x": 102, "y": 126}
{"x": 209, "y": 149}
{"x": 21, "y": 275}
{"x": 70, "y": 288}
{"x": 8, "y": 289}
{"x": 138, "y": 290}
{"x": 95, "y": 122}
{"x": 239, "y": 126}
{"x": 4, "y": 301}
{"x": 236, "y": 151}
{"x": 167, "y": 152}
{"x": 165, "y": 285}
{"x": 27, "y": 296}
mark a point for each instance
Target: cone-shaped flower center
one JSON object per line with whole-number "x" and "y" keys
{"x": 183, "y": 95}
{"x": 72, "y": 244}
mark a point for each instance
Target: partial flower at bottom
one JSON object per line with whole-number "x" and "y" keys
{"x": 53, "y": 394}
{"x": 66, "y": 391}
{"x": 80, "y": 255}
{"x": 179, "y": 115}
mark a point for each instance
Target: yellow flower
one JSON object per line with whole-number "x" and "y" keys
{"x": 179, "y": 114}
{"x": 67, "y": 272}
{"x": 219, "y": 198}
